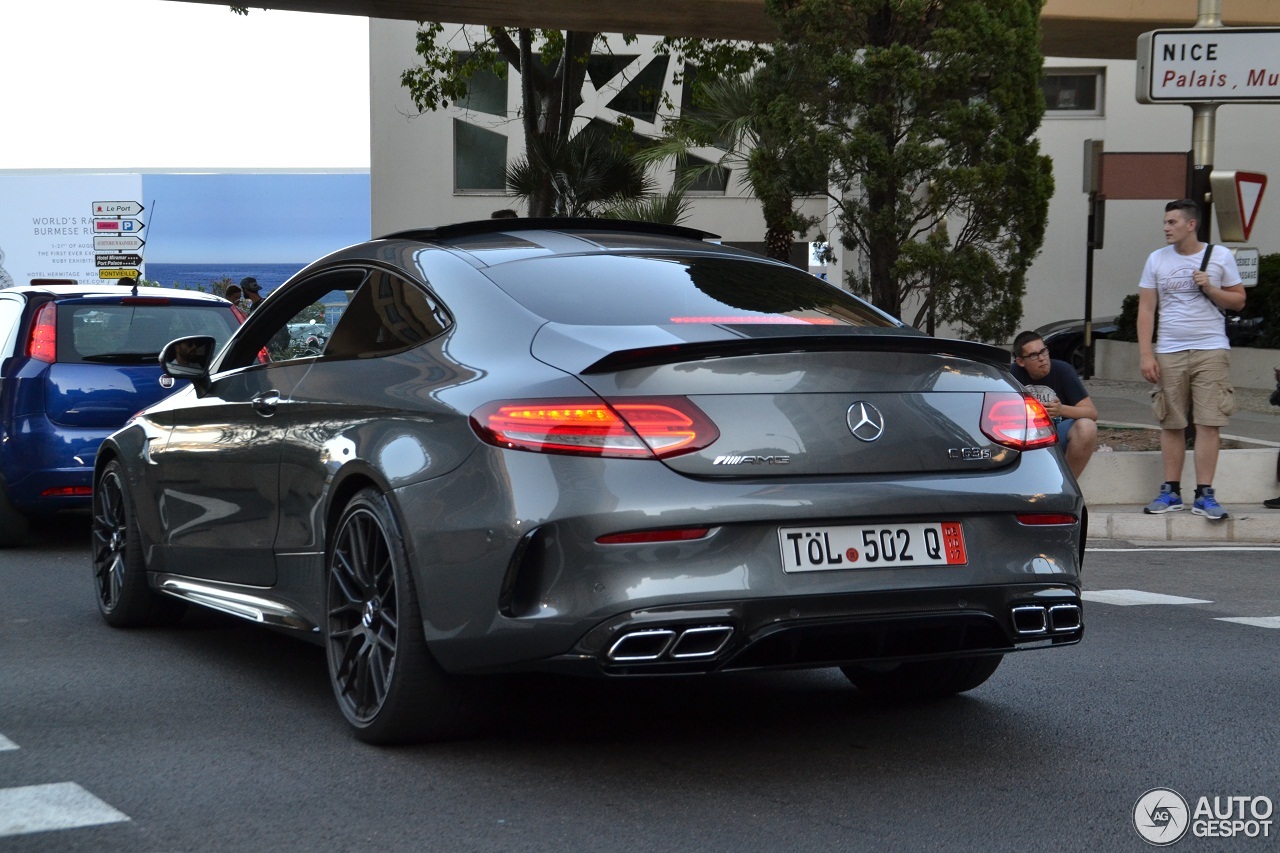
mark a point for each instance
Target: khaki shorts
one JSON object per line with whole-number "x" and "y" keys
{"x": 1199, "y": 379}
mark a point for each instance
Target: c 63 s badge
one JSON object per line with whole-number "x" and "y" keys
{"x": 973, "y": 454}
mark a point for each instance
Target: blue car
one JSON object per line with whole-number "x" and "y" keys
{"x": 76, "y": 361}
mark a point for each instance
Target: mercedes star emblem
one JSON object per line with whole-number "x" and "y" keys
{"x": 865, "y": 421}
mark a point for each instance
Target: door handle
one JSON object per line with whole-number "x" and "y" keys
{"x": 266, "y": 403}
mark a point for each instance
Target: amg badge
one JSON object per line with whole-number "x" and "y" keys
{"x": 752, "y": 460}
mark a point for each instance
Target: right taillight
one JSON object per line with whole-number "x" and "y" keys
{"x": 1017, "y": 420}
{"x": 42, "y": 342}
{"x": 630, "y": 428}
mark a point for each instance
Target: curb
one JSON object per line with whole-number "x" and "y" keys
{"x": 1128, "y": 522}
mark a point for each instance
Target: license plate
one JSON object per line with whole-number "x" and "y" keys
{"x": 820, "y": 549}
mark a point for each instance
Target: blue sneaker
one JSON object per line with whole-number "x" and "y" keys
{"x": 1167, "y": 501}
{"x": 1207, "y": 505}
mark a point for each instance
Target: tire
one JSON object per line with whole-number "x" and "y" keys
{"x": 13, "y": 524}
{"x": 388, "y": 686}
{"x": 924, "y": 679}
{"x": 119, "y": 573}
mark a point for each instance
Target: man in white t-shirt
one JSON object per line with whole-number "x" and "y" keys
{"x": 1189, "y": 363}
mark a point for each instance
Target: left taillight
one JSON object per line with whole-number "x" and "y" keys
{"x": 1017, "y": 420}
{"x": 42, "y": 342}
{"x": 632, "y": 428}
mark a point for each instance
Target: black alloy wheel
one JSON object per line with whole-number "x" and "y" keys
{"x": 387, "y": 684}
{"x": 119, "y": 574}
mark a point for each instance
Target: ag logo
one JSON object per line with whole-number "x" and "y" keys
{"x": 1161, "y": 816}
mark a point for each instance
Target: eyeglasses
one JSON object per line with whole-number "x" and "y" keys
{"x": 1040, "y": 353}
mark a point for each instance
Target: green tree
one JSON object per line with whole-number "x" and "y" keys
{"x": 552, "y": 65}
{"x": 928, "y": 110}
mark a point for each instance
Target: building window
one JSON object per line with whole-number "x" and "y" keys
{"x": 1073, "y": 92}
{"x": 479, "y": 159}
{"x": 486, "y": 91}
{"x": 706, "y": 177}
{"x": 641, "y": 96}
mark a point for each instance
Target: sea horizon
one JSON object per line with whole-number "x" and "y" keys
{"x": 204, "y": 275}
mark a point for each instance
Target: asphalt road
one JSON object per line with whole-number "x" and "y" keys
{"x": 218, "y": 736}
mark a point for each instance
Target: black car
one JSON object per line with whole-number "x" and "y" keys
{"x": 596, "y": 447}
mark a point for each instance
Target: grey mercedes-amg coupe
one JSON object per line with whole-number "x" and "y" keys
{"x": 608, "y": 448}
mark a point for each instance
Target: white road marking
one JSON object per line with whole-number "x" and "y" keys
{"x": 1255, "y": 621}
{"x": 5, "y": 743}
{"x": 1131, "y": 597}
{"x": 1183, "y": 548}
{"x": 40, "y": 808}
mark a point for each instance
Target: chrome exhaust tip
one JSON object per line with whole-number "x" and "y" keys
{"x": 649, "y": 644}
{"x": 704, "y": 642}
{"x": 1030, "y": 620}
{"x": 1064, "y": 618}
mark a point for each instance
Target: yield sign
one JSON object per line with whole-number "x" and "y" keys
{"x": 1249, "y": 187}
{"x": 1236, "y": 198}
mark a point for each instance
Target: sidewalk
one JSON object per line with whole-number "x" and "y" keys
{"x": 1118, "y": 485}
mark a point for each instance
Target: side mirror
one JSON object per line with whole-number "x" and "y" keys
{"x": 188, "y": 358}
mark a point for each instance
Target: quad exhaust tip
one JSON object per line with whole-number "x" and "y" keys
{"x": 676, "y": 643}
{"x": 1031, "y": 620}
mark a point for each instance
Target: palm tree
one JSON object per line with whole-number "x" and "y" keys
{"x": 586, "y": 174}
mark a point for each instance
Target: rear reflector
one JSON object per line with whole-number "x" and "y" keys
{"x": 638, "y": 427}
{"x": 68, "y": 492}
{"x": 641, "y": 537}
{"x": 1017, "y": 420}
{"x": 1041, "y": 518}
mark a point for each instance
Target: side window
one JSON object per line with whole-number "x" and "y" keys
{"x": 297, "y": 323}
{"x": 386, "y": 314}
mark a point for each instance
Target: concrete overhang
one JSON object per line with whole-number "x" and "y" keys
{"x": 1098, "y": 29}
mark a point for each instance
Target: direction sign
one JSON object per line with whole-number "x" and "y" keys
{"x": 1236, "y": 197}
{"x": 119, "y": 274}
{"x": 117, "y": 226}
{"x": 1208, "y": 64}
{"x": 117, "y": 243}
{"x": 117, "y": 260}
{"x": 117, "y": 208}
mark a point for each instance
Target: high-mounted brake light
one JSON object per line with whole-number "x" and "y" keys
{"x": 632, "y": 428}
{"x": 42, "y": 342}
{"x": 1017, "y": 420}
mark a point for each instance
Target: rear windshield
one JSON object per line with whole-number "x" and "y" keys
{"x": 629, "y": 290}
{"x": 135, "y": 333}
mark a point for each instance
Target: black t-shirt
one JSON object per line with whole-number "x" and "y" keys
{"x": 1062, "y": 378}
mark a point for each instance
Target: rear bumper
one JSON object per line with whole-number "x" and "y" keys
{"x": 829, "y": 631}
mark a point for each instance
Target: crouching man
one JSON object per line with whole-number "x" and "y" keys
{"x": 1068, "y": 404}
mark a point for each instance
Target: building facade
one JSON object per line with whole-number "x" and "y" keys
{"x": 447, "y": 166}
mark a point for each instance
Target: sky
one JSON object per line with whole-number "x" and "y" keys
{"x": 163, "y": 84}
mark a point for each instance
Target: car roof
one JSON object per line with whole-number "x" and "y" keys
{"x": 70, "y": 291}
{"x": 489, "y": 242}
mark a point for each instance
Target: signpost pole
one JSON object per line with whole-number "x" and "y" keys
{"x": 1203, "y": 127}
